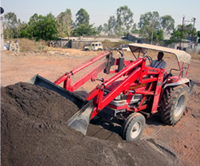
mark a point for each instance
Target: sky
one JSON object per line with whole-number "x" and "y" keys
{"x": 100, "y": 10}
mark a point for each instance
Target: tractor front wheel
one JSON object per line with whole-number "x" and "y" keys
{"x": 133, "y": 127}
{"x": 173, "y": 103}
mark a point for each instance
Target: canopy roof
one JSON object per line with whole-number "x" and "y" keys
{"x": 181, "y": 56}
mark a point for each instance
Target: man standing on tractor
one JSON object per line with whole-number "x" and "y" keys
{"x": 159, "y": 63}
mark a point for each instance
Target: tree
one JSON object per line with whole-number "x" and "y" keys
{"x": 105, "y": 28}
{"x": 134, "y": 28}
{"x": 181, "y": 32}
{"x": 152, "y": 26}
{"x": 10, "y": 21}
{"x": 149, "y": 19}
{"x": 82, "y": 17}
{"x": 85, "y": 30}
{"x": 111, "y": 25}
{"x": 167, "y": 24}
{"x": 42, "y": 27}
{"x": 82, "y": 24}
{"x": 158, "y": 36}
{"x": 24, "y": 30}
{"x": 18, "y": 28}
{"x": 149, "y": 22}
{"x": 178, "y": 34}
{"x": 124, "y": 20}
{"x": 190, "y": 30}
{"x": 65, "y": 23}
{"x": 32, "y": 26}
{"x": 100, "y": 29}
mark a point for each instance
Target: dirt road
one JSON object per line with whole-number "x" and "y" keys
{"x": 184, "y": 137}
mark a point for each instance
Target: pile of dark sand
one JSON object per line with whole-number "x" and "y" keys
{"x": 34, "y": 132}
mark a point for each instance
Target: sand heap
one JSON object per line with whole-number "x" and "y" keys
{"x": 34, "y": 131}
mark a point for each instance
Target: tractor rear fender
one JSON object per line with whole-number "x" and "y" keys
{"x": 186, "y": 81}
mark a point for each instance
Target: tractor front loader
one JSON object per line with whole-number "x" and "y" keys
{"x": 135, "y": 87}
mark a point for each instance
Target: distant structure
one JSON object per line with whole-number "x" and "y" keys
{"x": 190, "y": 43}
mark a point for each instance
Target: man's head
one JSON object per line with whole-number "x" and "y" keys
{"x": 160, "y": 55}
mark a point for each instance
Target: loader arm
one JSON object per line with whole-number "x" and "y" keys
{"x": 66, "y": 78}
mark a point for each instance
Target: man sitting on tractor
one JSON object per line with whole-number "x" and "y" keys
{"x": 159, "y": 63}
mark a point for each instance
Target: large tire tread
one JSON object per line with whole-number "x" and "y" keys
{"x": 168, "y": 101}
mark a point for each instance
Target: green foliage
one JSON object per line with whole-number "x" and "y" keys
{"x": 182, "y": 31}
{"x": 121, "y": 24}
{"x": 10, "y": 24}
{"x": 100, "y": 29}
{"x": 82, "y": 17}
{"x": 158, "y": 36}
{"x": 149, "y": 25}
{"x": 152, "y": 26}
{"x": 42, "y": 27}
{"x": 167, "y": 23}
{"x": 24, "y": 31}
{"x": 64, "y": 24}
{"x": 134, "y": 29}
{"x": 176, "y": 35}
{"x": 84, "y": 30}
{"x": 190, "y": 30}
{"x": 38, "y": 27}
{"x": 111, "y": 25}
{"x": 105, "y": 27}
{"x": 150, "y": 19}
{"x": 124, "y": 21}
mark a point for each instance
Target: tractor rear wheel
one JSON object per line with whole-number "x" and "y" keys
{"x": 133, "y": 127}
{"x": 173, "y": 103}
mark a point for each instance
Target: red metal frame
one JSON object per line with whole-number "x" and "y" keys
{"x": 134, "y": 74}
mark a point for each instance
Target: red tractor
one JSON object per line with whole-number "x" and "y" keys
{"x": 134, "y": 90}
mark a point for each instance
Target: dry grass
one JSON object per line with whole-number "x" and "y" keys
{"x": 109, "y": 44}
{"x": 27, "y": 45}
{"x": 195, "y": 55}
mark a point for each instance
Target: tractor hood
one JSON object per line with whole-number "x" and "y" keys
{"x": 181, "y": 56}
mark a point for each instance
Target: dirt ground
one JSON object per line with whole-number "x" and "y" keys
{"x": 183, "y": 138}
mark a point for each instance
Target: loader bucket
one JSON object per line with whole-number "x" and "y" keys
{"x": 81, "y": 119}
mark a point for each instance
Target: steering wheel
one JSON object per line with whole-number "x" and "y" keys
{"x": 149, "y": 58}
